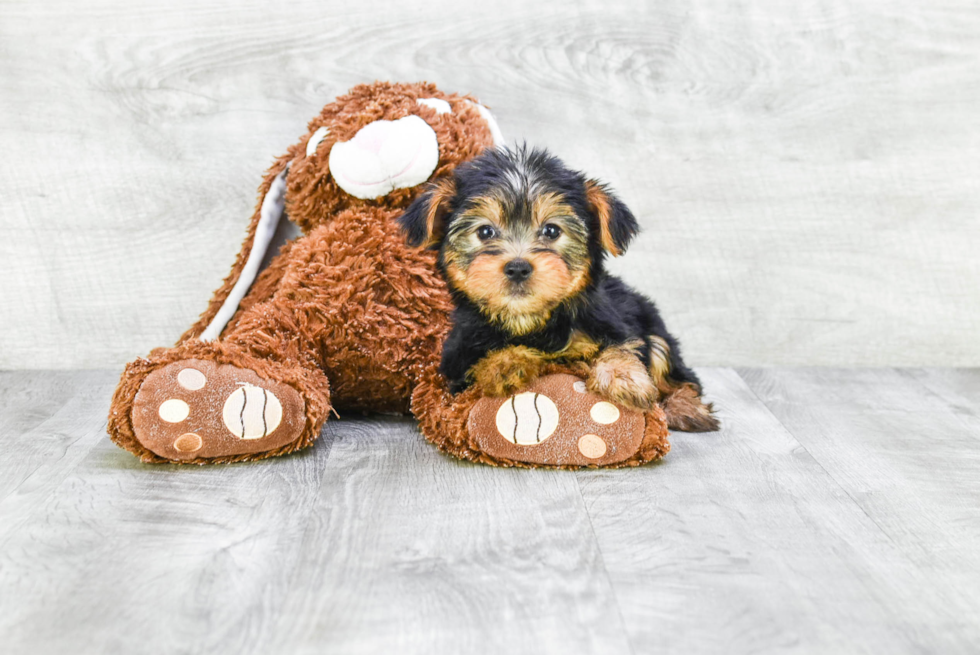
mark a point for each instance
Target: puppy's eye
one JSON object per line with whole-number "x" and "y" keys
{"x": 551, "y": 231}
{"x": 485, "y": 233}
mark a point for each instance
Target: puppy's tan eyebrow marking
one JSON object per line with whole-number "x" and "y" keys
{"x": 486, "y": 207}
{"x": 465, "y": 226}
{"x": 548, "y": 205}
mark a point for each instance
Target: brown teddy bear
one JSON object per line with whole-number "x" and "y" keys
{"x": 347, "y": 316}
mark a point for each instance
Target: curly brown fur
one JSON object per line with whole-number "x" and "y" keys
{"x": 313, "y": 197}
{"x": 348, "y": 301}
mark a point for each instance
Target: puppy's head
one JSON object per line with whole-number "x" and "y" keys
{"x": 519, "y": 233}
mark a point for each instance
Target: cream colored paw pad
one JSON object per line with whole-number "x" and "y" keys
{"x": 604, "y": 413}
{"x": 174, "y": 410}
{"x": 592, "y": 446}
{"x": 527, "y": 419}
{"x": 188, "y": 442}
{"x": 191, "y": 379}
{"x": 251, "y": 412}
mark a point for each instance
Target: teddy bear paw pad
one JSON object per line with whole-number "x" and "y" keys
{"x": 556, "y": 422}
{"x": 194, "y": 409}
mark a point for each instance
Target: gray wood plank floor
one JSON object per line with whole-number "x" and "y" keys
{"x": 838, "y": 511}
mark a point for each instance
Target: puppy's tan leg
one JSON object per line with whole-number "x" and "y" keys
{"x": 619, "y": 375}
{"x": 580, "y": 347}
{"x": 507, "y": 371}
{"x": 681, "y": 400}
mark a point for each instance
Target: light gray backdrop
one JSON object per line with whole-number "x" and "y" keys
{"x": 806, "y": 173}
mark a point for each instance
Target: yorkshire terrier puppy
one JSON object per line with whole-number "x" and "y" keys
{"x": 521, "y": 241}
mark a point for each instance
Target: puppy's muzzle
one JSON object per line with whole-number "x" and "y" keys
{"x": 518, "y": 270}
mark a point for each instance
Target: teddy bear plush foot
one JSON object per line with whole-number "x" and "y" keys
{"x": 556, "y": 422}
{"x": 193, "y": 408}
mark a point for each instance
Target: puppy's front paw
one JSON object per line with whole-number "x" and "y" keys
{"x": 621, "y": 377}
{"x": 507, "y": 371}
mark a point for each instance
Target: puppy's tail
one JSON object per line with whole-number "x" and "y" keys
{"x": 685, "y": 409}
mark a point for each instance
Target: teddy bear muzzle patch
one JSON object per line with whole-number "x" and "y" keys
{"x": 384, "y": 156}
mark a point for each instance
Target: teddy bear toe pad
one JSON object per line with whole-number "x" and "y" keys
{"x": 556, "y": 422}
{"x": 194, "y": 409}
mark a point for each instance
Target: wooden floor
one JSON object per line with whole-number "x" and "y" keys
{"x": 838, "y": 511}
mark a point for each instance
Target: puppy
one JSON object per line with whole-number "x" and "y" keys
{"x": 521, "y": 241}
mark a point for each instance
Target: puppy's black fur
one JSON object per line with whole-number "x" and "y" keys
{"x": 610, "y": 312}
{"x": 595, "y": 222}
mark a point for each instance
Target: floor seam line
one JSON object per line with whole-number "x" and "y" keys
{"x": 904, "y": 373}
{"x": 291, "y": 582}
{"x": 602, "y": 560}
{"x": 818, "y": 462}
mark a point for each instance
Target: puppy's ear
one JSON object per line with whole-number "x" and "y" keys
{"x": 617, "y": 226}
{"x": 425, "y": 219}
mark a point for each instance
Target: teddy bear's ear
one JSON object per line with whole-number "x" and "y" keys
{"x": 617, "y": 225}
{"x": 424, "y": 221}
{"x": 267, "y": 230}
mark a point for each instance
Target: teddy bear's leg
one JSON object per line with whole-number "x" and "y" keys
{"x": 218, "y": 402}
{"x": 555, "y": 422}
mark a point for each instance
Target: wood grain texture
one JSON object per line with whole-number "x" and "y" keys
{"x": 370, "y": 542}
{"x": 49, "y": 420}
{"x": 114, "y": 556}
{"x": 958, "y": 388}
{"x": 905, "y": 458}
{"x": 413, "y": 552}
{"x": 743, "y": 542}
{"x": 836, "y": 512}
{"x": 801, "y": 170}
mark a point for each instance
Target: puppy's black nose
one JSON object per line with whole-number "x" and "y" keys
{"x": 518, "y": 270}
